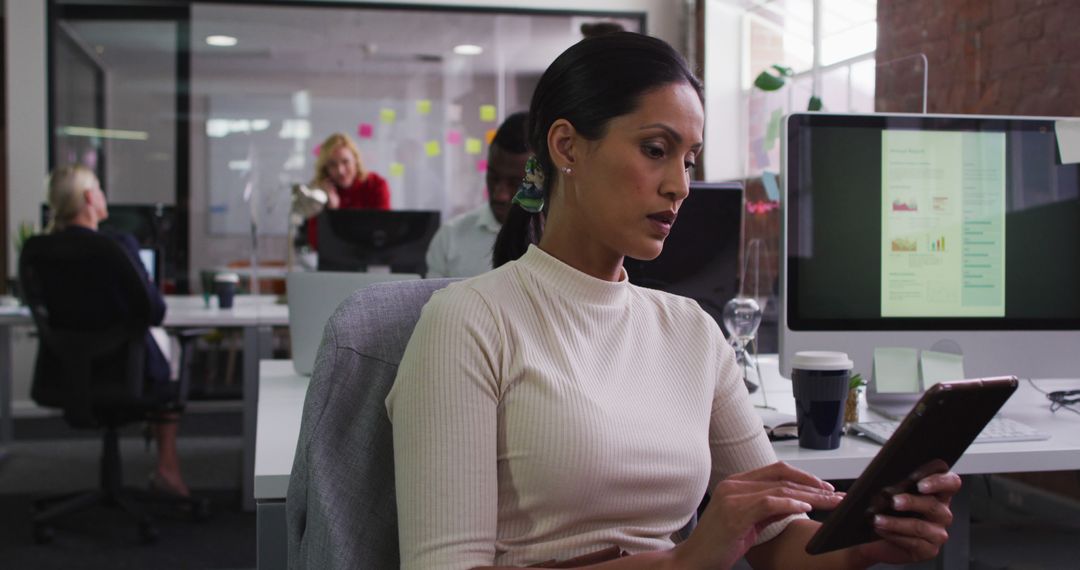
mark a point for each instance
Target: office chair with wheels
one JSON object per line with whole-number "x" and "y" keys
{"x": 92, "y": 309}
{"x": 340, "y": 507}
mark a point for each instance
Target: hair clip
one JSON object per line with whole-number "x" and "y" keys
{"x": 530, "y": 194}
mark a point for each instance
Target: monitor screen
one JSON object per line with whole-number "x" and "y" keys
{"x": 148, "y": 257}
{"x": 700, "y": 258}
{"x": 363, "y": 240}
{"x": 960, "y": 233}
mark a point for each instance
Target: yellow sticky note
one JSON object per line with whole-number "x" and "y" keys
{"x": 397, "y": 169}
{"x": 896, "y": 370}
{"x": 388, "y": 115}
{"x": 489, "y": 136}
{"x": 940, "y": 366}
{"x": 473, "y": 146}
{"x": 487, "y": 113}
{"x": 423, "y": 106}
{"x": 432, "y": 148}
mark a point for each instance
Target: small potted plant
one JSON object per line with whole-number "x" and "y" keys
{"x": 851, "y": 405}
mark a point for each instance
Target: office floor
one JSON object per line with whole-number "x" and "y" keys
{"x": 1036, "y": 533}
{"x": 46, "y": 459}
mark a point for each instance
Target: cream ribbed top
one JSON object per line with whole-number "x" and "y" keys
{"x": 542, "y": 413}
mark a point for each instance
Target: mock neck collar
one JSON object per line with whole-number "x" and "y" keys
{"x": 570, "y": 282}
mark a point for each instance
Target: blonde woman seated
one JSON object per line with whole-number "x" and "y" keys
{"x": 78, "y": 205}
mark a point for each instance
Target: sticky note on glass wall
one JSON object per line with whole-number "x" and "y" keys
{"x": 481, "y": 166}
{"x": 388, "y": 116}
{"x": 397, "y": 169}
{"x": 473, "y": 146}
{"x": 432, "y": 148}
{"x": 423, "y": 106}
{"x": 487, "y": 113}
{"x": 365, "y": 130}
{"x": 896, "y": 370}
{"x": 489, "y": 136}
{"x": 453, "y": 137}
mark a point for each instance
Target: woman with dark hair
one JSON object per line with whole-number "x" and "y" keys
{"x": 550, "y": 410}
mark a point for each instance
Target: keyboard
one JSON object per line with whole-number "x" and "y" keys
{"x": 998, "y": 430}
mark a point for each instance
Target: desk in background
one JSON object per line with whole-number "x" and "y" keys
{"x": 254, "y": 314}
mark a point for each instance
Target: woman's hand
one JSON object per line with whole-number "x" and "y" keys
{"x": 742, "y": 505}
{"x": 333, "y": 201}
{"x": 913, "y": 539}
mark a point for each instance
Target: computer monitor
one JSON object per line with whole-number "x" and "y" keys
{"x": 951, "y": 233}
{"x": 700, "y": 259}
{"x": 367, "y": 240}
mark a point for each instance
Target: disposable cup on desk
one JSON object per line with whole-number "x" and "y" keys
{"x": 225, "y": 286}
{"x": 819, "y": 381}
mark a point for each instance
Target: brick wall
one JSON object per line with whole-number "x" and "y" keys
{"x": 1015, "y": 57}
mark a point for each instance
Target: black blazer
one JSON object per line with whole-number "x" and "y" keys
{"x": 157, "y": 367}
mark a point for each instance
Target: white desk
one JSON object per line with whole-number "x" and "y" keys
{"x": 255, "y": 314}
{"x": 281, "y": 405}
{"x": 282, "y": 399}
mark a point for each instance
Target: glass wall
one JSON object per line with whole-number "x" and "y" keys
{"x": 218, "y": 108}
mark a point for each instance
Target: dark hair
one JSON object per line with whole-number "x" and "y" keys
{"x": 591, "y": 83}
{"x": 511, "y": 134}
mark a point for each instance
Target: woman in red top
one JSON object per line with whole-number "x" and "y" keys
{"x": 349, "y": 185}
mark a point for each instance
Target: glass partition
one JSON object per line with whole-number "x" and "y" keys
{"x": 219, "y": 108}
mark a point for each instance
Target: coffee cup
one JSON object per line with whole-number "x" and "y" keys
{"x": 819, "y": 381}
{"x": 225, "y": 287}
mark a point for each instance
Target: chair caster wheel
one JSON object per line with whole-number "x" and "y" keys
{"x": 43, "y": 534}
{"x": 201, "y": 512}
{"x": 148, "y": 533}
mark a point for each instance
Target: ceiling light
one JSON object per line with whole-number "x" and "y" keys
{"x": 221, "y": 41}
{"x": 468, "y": 49}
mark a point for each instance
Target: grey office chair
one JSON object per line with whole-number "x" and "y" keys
{"x": 341, "y": 508}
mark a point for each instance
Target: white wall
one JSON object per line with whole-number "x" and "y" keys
{"x": 24, "y": 54}
{"x": 725, "y": 113}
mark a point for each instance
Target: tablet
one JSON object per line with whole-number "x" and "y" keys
{"x": 942, "y": 424}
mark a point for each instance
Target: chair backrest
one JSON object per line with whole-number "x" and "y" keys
{"x": 340, "y": 506}
{"x": 313, "y": 296}
{"x": 91, "y": 310}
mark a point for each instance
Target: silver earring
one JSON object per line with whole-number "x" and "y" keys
{"x": 567, "y": 170}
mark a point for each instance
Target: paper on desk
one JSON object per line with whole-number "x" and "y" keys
{"x": 940, "y": 366}
{"x": 1068, "y": 139}
{"x": 896, "y": 370}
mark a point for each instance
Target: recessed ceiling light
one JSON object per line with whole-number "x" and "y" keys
{"x": 468, "y": 49}
{"x": 221, "y": 41}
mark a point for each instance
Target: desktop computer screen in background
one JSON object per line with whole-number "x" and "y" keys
{"x": 960, "y": 233}
{"x": 700, "y": 259}
{"x": 363, "y": 240}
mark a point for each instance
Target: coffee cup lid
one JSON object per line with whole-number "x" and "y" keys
{"x": 227, "y": 278}
{"x": 821, "y": 360}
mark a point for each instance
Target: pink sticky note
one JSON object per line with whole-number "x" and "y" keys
{"x": 453, "y": 137}
{"x": 315, "y": 151}
{"x": 481, "y": 165}
{"x": 365, "y": 130}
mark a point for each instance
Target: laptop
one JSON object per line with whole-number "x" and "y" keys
{"x": 313, "y": 298}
